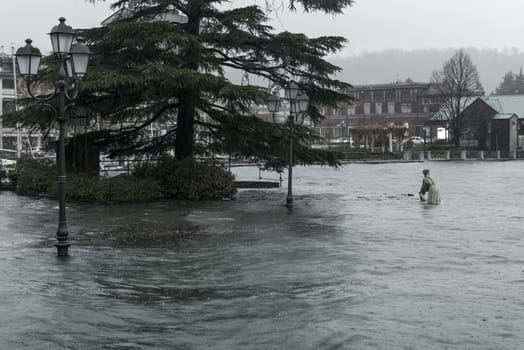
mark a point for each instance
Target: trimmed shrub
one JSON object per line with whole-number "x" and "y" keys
{"x": 186, "y": 179}
{"x": 130, "y": 188}
{"x": 114, "y": 189}
{"x": 192, "y": 180}
{"x": 32, "y": 176}
{"x": 37, "y": 177}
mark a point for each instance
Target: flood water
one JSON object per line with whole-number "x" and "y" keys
{"x": 357, "y": 263}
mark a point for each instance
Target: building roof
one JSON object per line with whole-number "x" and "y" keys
{"x": 504, "y": 116}
{"x": 504, "y": 104}
{"x": 443, "y": 112}
{"x": 168, "y": 16}
{"x": 390, "y": 86}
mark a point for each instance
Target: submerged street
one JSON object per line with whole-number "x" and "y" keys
{"x": 357, "y": 263}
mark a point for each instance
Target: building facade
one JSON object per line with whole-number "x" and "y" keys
{"x": 494, "y": 122}
{"x": 8, "y": 134}
{"x": 12, "y": 138}
{"x": 408, "y": 104}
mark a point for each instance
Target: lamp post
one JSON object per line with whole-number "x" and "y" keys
{"x": 297, "y": 104}
{"x": 72, "y": 61}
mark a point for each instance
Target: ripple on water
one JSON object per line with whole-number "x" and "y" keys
{"x": 356, "y": 264}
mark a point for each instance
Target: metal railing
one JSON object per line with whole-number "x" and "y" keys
{"x": 461, "y": 155}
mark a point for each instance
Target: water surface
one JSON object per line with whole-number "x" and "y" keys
{"x": 357, "y": 263}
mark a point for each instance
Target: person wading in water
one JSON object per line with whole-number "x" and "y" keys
{"x": 430, "y": 187}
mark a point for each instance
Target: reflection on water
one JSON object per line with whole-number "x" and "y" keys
{"x": 356, "y": 263}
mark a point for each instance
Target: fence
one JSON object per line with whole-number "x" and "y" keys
{"x": 462, "y": 155}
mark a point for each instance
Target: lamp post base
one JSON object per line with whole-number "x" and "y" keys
{"x": 62, "y": 249}
{"x": 289, "y": 201}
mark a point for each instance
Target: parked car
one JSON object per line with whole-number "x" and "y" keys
{"x": 342, "y": 140}
{"x": 415, "y": 140}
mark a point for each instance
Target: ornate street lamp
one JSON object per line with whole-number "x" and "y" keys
{"x": 72, "y": 62}
{"x": 301, "y": 104}
{"x": 28, "y": 60}
{"x": 273, "y": 103}
{"x": 62, "y": 38}
{"x": 297, "y": 104}
{"x": 291, "y": 90}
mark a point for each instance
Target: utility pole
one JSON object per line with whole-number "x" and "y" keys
{"x": 18, "y": 135}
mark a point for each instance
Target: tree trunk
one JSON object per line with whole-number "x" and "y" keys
{"x": 456, "y": 131}
{"x": 185, "y": 127}
{"x": 456, "y": 137}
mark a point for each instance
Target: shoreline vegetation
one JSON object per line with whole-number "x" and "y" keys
{"x": 199, "y": 179}
{"x": 167, "y": 179}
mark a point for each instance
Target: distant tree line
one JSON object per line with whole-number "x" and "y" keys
{"x": 512, "y": 84}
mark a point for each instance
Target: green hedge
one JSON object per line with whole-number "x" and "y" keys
{"x": 37, "y": 177}
{"x": 114, "y": 189}
{"x": 187, "y": 179}
{"x": 33, "y": 177}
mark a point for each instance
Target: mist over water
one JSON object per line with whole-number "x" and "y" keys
{"x": 357, "y": 263}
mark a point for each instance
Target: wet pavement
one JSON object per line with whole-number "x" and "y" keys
{"x": 357, "y": 263}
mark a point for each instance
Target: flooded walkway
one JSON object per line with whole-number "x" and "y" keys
{"x": 357, "y": 263}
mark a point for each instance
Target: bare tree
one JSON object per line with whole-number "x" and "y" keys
{"x": 458, "y": 85}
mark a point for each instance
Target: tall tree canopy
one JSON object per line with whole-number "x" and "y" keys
{"x": 511, "y": 84}
{"x": 164, "y": 61}
{"x": 457, "y": 82}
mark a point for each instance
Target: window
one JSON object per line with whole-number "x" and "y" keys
{"x": 367, "y": 108}
{"x": 7, "y": 66}
{"x": 378, "y": 108}
{"x": 351, "y": 110}
{"x": 405, "y": 94}
{"x": 405, "y": 107}
{"x": 8, "y": 84}
{"x": 391, "y": 107}
{"x": 8, "y": 106}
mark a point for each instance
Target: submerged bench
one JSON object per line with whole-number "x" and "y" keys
{"x": 256, "y": 184}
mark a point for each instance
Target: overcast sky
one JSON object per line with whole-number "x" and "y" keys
{"x": 369, "y": 25}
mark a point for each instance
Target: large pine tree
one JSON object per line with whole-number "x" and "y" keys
{"x": 164, "y": 61}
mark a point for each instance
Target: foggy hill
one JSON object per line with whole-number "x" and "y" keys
{"x": 397, "y": 65}
{"x": 393, "y": 65}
